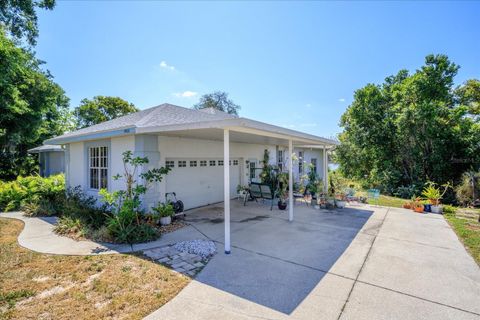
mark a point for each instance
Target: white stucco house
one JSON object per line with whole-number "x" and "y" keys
{"x": 197, "y": 145}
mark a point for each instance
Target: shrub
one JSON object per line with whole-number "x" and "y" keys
{"x": 125, "y": 227}
{"x": 41, "y": 207}
{"x": 79, "y": 205}
{"x": 31, "y": 190}
{"x": 70, "y": 226}
{"x": 448, "y": 209}
{"x": 406, "y": 192}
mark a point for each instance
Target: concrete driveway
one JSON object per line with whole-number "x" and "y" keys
{"x": 357, "y": 263}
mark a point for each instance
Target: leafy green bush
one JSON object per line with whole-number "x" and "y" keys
{"x": 71, "y": 226}
{"x": 32, "y": 190}
{"x": 41, "y": 207}
{"x": 124, "y": 226}
{"x": 448, "y": 209}
{"x": 79, "y": 205}
{"x": 406, "y": 192}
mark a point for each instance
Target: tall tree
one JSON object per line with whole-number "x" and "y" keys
{"x": 32, "y": 107}
{"x": 409, "y": 129}
{"x": 218, "y": 100}
{"x": 101, "y": 109}
{"x": 19, "y": 18}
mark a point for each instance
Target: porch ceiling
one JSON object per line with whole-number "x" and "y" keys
{"x": 216, "y": 134}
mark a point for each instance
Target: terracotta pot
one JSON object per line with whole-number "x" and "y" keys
{"x": 418, "y": 209}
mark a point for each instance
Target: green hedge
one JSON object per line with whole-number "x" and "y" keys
{"x": 30, "y": 190}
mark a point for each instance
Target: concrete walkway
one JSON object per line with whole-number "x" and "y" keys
{"x": 356, "y": 263}
{"x": 38, "y": 235}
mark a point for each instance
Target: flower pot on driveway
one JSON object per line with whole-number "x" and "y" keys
{"x": 436, "y": 209}
{"x": 165, "y": 221}
{"x": 340, "y": 203}
{"x": 282, "y": 205}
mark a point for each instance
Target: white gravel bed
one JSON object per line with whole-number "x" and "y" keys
{"x": 202, "y": 248}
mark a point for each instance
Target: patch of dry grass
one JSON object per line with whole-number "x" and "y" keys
{"x": 41, "y": 286}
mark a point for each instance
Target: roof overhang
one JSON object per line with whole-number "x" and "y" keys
{"x": 243, "y": 130}
{"x": 46, "y": 148}
{"x": 240, "y": 126}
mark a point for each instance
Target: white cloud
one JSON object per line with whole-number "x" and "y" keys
{"x": 164, "y": 65}
{"x": 341, "y": 99}
{"x": 308, "y": 105}
{"x": 185, "y": 94}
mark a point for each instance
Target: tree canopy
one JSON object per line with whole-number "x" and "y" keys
{"x": 101, "y": 109}
{"x": 218, "y": 100}
{"x": 19, "y": 19}
{"x": 412, "y": 128}
{"x": 33, "y": 107}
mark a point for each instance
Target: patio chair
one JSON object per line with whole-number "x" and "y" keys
{"x": 260, "y": 191}
{"x": 373, "y": 194}
{"x": 350, "y": 195}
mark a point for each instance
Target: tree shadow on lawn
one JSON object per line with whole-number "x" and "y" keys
{"x": 276, "y": 263}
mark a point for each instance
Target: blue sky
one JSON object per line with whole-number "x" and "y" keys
{"x": 294, "y": 64}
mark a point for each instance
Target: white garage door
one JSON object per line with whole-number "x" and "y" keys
{"x": 199, "y": 182}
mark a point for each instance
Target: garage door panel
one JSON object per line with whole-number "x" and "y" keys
{"x": 200, "y": 185}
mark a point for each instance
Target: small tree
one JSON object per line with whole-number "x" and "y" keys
{"x": 133, "y": 188}
{"x": 125, "y": 224}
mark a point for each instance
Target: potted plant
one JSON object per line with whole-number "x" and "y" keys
{"x": 319, "y": 191}
{"x": 433, "y": 194}
{"x": 340, "y": 200}
{"x": 417, "y": 205}
{"x": 241, "y": 191}
{"x": 407, "y": 205}
{"x": 282, "y": 179}
{"x": 165, "y": 211}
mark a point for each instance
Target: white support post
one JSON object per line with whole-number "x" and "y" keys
{"x": 325, "y": 170}
{"x": 290, "y": 180}
{"x": 226, "y": 187}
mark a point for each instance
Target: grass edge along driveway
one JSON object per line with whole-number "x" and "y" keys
{"x": 120, "y": 286}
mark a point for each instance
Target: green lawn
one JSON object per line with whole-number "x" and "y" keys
{"x": 466, "y": 226}
{"x": 388, "y": 201}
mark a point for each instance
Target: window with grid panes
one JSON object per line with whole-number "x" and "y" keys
{"x": 98, "y": 167}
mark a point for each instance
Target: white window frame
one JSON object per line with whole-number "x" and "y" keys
{"x": 193, "y": 163}
{"x": 170, "y": 164}
{"x": 182, "y": 163}
{"x": 203, "y": 163}
{"x": 280, "y": 153}
{"x": 98, "y": 160}
{"x": 220, "y": 162}
{"x": 212, "y": 163}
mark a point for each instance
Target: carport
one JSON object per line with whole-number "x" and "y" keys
{"x": 246, "y": 131}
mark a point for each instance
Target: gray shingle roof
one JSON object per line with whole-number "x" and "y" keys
{"x": 167, "y": 117}
{"x": 162, "y": 115}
